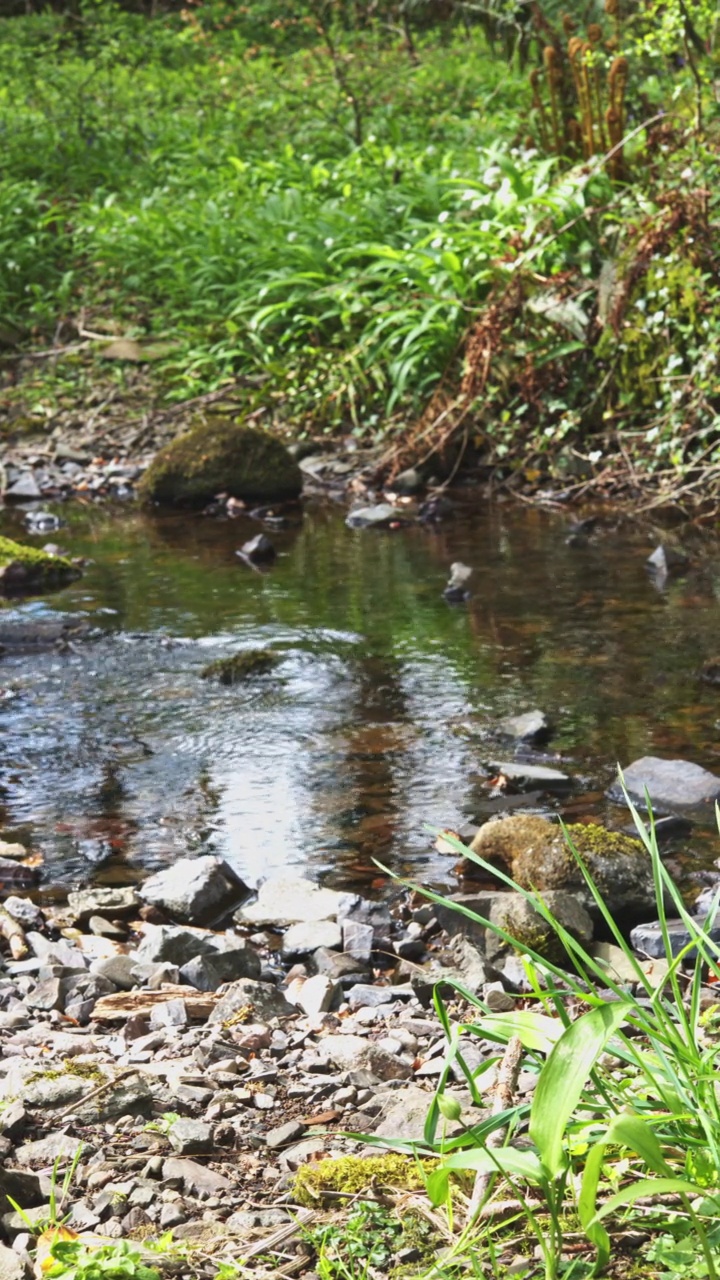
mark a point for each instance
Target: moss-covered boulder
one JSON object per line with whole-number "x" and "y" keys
{"x": 27, "y": 569}
{"x": 535, "y": 853}
{"x": 221, "y": 456}
{"x": 530, "y": 931}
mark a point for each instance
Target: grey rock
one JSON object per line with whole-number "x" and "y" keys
{"x": 451, "y": 916}
{"x": 357, "y": 939}
{"x": 315, "y": 995}
{"x": 408, "y": 482}
{"x": 665, "y": 560}
{"x": 284, "y": 1134}
{"x": 103, "y": 928}
{"x": 48, "y": 1093}
{"x": 363, "y": 995}
{"x": 302, "y": 939}
{"x": 130, "y": 1096}
{"x": 258, "y": 550}
{"x": 376, "y": 915}
{"x": 45, "y": 1151}
{"x": 669, "y": 783}
{"x": 349, "y": 1052}
{"x": 29, "y": 1189}
{"x": 531, "y": 727}
{"x": 174, "y": 944}
{"x": 172, "y": 1214}
{"x": 116, "y": 969}
{"x": 13, "y": 1120}
{"x": 380, "y": 516}
{"x": 172, "y": 1013}
{"x": 519, "y": 918}
{"x": 285, "y": 900}
{"x": 497, "y": 998}
{"x": 195, "y": 1178}
{"x": 265, "y": 1001}
{"x": 227, "y": 965}
{"x": 108, "y": 902}
{"x": 533, "y": 775}
{"x": 403, "y": 1115}
{"x": 24, "y": 911}
{"x": 195, "y": 889}
{"x": 61, "y": 953}
{"x": 48, "y": 994}
{"x": 12, "y": 1266}
{"x": 339, "y": 965}
{"x": 648, "y": 939}
{"x": 191, "y": 1137}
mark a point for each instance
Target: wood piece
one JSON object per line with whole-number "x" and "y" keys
{"x": 503, "y": 1099}
{"x": 14, "y": 935}
{"x": 127, "y": 1004}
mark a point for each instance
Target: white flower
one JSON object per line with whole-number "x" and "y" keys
{"x": 443, "y": 217}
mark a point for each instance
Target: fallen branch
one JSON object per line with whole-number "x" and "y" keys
{"x": 503, "y": 1099}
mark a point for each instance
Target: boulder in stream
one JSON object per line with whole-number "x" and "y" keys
{"x": 221, "y": 456}
{"x": 25, "y": 569}
{"x": 535, "y": 853}
{"x": 669, "y": 783}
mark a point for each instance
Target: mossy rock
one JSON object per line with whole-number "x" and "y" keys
{"x": 529, "y": 929}
{"x": 240, "y": 666}
{"x": 26, "y": 569}
{"x": 221, "y": 456}
{"x": 535, "y": 853}
{"x": 352, "y": 1175}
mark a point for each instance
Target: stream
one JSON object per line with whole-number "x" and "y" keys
{"x": 116, "y": 758}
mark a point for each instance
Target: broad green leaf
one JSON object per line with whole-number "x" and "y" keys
{"x": 535, "y": 1031}
{"x": 564, "y": 1076}
{"x": 627, "y": 1131}
{"x": 519, "y": 1164}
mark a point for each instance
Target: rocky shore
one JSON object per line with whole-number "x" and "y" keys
{"x": 197, "y": 1053}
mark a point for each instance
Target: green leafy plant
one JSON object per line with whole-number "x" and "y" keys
{"x": 73, "y": 1260}
{"x": 57, "y": 1200}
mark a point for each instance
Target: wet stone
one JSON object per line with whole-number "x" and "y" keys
{"x": 532, "y": 727}
{"x": 669, "y": 783}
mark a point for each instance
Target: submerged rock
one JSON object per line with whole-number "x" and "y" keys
{"x": 221, "y": 456}
{"x": 240, "y": 666}
{"x": 382, "y": 516}
{"x": 669, "y": 783}
{"x": 258, "y": 550}
{"x": 24, "y": 569}
{"x": 531, "y": 727}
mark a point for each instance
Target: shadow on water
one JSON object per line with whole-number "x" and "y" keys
{"x": 117, "y": 757}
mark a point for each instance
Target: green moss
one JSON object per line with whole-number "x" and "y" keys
{"x": 221, "y": 456}
{"x": 24, "y": 568}
{"x": 85, "y": 1070}
{"x": 354, "y": 1174}
{"x": 240, "y": 666}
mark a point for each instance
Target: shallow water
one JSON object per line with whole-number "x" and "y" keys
{"x": 117, "y": 757}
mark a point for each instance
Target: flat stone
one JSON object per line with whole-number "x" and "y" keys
{"x": 621, "y": 969}
{"x": 103, "y": 928}
{"x": 85, "y": 903}
{"x": 12, "y": 850}
{"x": 364, "y": 995}
{"x": 355, "y": 1052}
{"x": 196, "y": 1178}
{"x": 648, "y": 939}
{"x": 262, "y": 999}
{"x": 195, "y": 889}
{"x": 47, "y": 995}
{"x": 208, "y": 972}
{"x": 24, "y": 911}
{"x": 339, "y": 965}
{"x": 532, "y": 775}
{"x": 302, "y": 939}
{"x": 45, "y": 1151}
{"x": 669, "y": 783}
{"x": 380, "y": 516}
{"x": 12, "y": 1265}
{"x": 174, "y": 944}
{"x": 191, "y": 1137}
{"x": 286, "y": 900}
{"x": 129, "y": 1096}
{"x": 285, "y": 1134}
{"x": 376, "y": 915}
{"x": 13, "y": 1120}
{"x": 530, "y": 727}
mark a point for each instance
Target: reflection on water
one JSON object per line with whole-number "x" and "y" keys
{"x": 116, "y": 757}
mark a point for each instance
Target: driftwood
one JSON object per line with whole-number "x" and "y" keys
{"x": 126, "y": 1004}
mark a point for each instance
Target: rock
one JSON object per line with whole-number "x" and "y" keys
{"x": 456, "y": 591}
{"x": 12, "y": 1266}
{"x": 621, "y": 969}
{"x": 408, "y": 482}
{"x": 496, "y": 998}
{"x": 382, "y": 516}
{"x": 287, "y": 900}
{"x": 260, "y": 998}
{"x": 12, "y": 850}
{"x": 376, "y": 915}
{"x": 530, "y": 931}
{"x": 648, "y": 939}
{"x": 131, "y": 1004}
{"x": 13, "y": 1120}
{"x": 531, "y": 727}
{"x": 303, "y": 939}
{"x": 208, "y": 972}
{"x": 357, "y": 940}
{"x": 535, "y": 854}
{"x": 18, "y": 1184}
{"x": 196, "y": 1179}
{"x": 24, "y": 569}
{"x": 285, "y": 1134}
{"x": 190, "y": 1137}
{"x": 116, "y": 969}
{"x": 363, "y": 995}
{"x": 48, "y": 994}
{"x": 258, "y": 550}
{"x": 174, "y": 944}
{"x": 669, "y": 783}
{"x": 453, "y": 920}
{"x": 195, "y": 889}
{"x": 666, "y": 560}
{"x": 221, "y": 456}
{"x": 474, "y": 969}
{"x": 107, "y": 902}
{"x": 45, "y": 1151}
{"x": 314, "y": 995}
{"x": 355, "y": 1052}
{"x": 339, "y": 965}
{"x": 241, "y": 666}
{"x": 404, "y": 1114}
{"x": 532, "y": 775}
